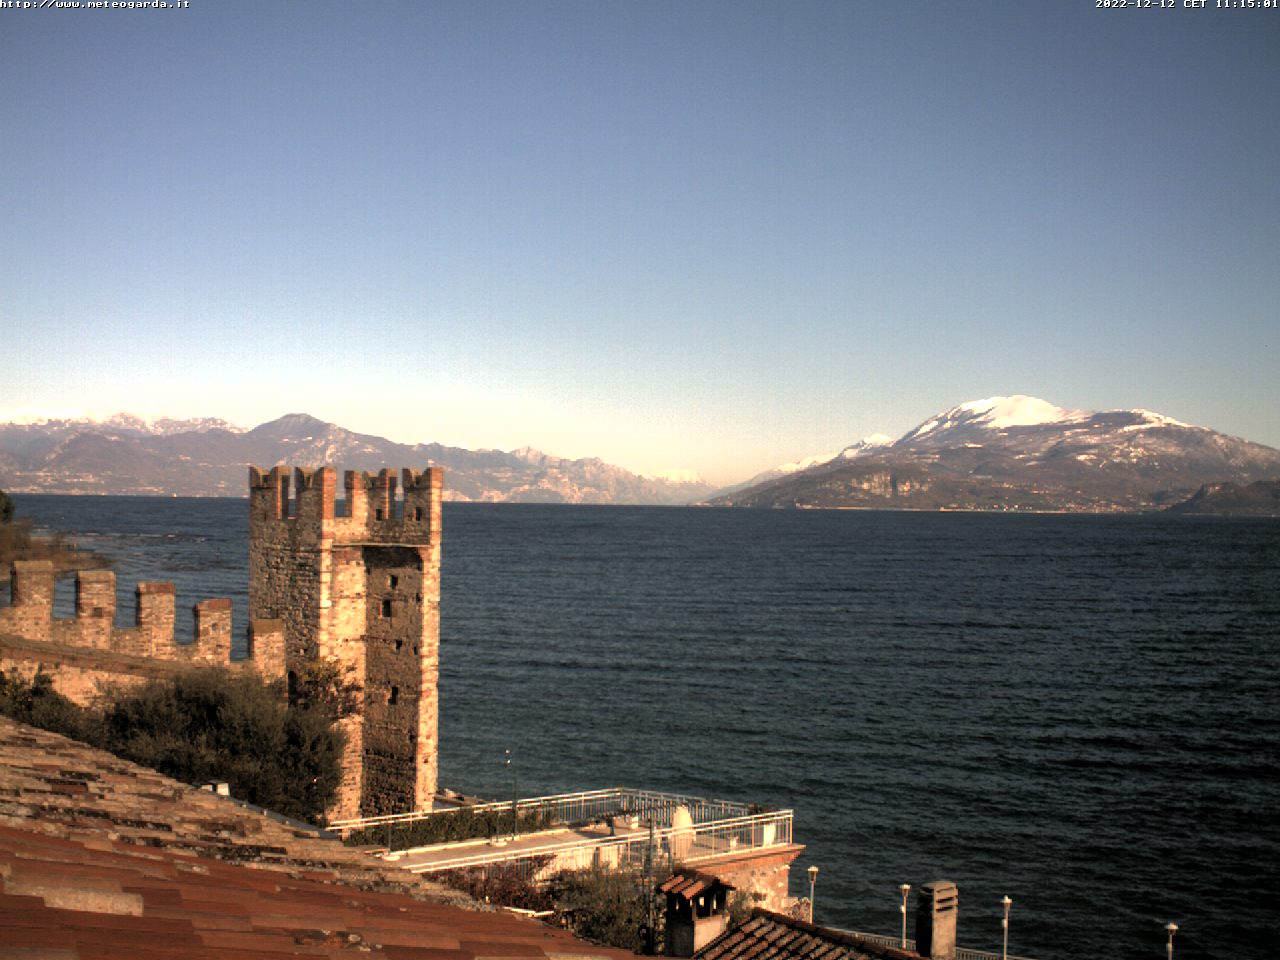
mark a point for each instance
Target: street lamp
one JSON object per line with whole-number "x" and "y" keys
{"x": 905, "y": 888}
{"x": 813, "y": 880}
{"x": 515, "y": 822}
{"x": 1004, "y": 951}
{"x": 1172, "y": 928}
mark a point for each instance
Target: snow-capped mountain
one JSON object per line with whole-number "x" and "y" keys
{"x": 1023, "y": 453}
{"x": 207, "y": 457}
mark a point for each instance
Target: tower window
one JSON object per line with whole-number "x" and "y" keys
{"x": 399, "y": 644}
{"x": 386, "y": 608}
{"x": 395, "y": 695}
{"x": 393, "y": 581}
{"x": 417, "y": 513}
{"x": 377, "y": 514}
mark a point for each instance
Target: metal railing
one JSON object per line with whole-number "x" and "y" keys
{"x": 684, "y": 844}
{"x": 962, "y": 953}
{"x": 586, "y": 806}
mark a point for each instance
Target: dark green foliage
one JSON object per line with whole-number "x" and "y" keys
{"x": 205, "y": 724}
{"x": 463, "y": 824}
{"x": 37, "y": 703}
{"x": 322, "y": 685}
{"x": 6, "y": 508}
{"x": 603, "y": 905}
{"x": 503, "y": 884}
{"x": 211, "y": 724}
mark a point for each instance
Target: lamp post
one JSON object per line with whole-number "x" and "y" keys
{"x": 813, "y": 880}
{"x": 1172, "y": 928}
{"x": 1004, "y": 950}
{"x": 515, "y": 821}
{"x": 905, "y": 888}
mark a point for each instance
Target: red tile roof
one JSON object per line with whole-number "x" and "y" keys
{"x": 687, "y": 884}
{"x": 102, "y": 859}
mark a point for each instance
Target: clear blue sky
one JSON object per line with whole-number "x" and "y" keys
{"x": 670, "y": 234}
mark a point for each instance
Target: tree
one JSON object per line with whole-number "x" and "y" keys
{"x": 6, "y": 508}
{"x": 35, "y": 702}
{"x": 604, "y": 905}
{"x": 212, "y": 724}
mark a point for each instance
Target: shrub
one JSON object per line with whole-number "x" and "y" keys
{"x": 450, "y": 827}
{"x": 503, "y": 884}
{"x": 604, "y": 905}
{"x": 211, "y": 724}
{"x": 36, "y": 702}
{"x": 204, "y": 724}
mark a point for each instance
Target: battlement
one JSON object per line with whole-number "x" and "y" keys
{"x": 370, "y": 508}
{"x": 29, "y": 616}
{"x": 357, "y": 582}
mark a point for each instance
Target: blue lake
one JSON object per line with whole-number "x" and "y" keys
{"x": 1082, "y": 713}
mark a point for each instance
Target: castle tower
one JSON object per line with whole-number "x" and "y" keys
{"x": 360, "y": 588}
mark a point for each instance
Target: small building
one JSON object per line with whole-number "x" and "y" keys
{"x": 697, "y": 911}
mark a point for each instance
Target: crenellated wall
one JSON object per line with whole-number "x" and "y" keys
{"x": 359, "y": 585}
{"x": 90, "y": 647}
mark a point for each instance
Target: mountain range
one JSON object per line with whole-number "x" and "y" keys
{"x": 1018, "y": 453}
{"x": 208, "y": 457}
{"x": 1015, "y": 453}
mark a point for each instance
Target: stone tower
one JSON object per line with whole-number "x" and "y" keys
{"x": 360, "y": 588}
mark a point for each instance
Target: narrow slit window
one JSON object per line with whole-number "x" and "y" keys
{"x": 386, "y": 608}
{"x": 395, "y": 695}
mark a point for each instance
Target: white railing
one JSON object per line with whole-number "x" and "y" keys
{"x": 962, "y": 953}
{"x": 682, "y": 844}
{"x": 586, "y": 806}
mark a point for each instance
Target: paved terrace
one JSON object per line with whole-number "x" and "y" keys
{"x": 620, "y": 826}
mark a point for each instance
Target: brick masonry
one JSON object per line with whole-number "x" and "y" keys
{"x": 88, "y": 652}
{"x": 360, "y": 588}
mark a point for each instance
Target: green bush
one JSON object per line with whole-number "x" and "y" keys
{"x": 603, "y": 905}
{"x": 204, "y": 724}
{"x": 503, "y": 884}
{"x": 212, "y": 724}
{"x": 450, "y": 827}
{"x": 35, "y": 702}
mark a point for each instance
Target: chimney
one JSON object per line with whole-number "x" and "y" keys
{"x": 937, "y": 904}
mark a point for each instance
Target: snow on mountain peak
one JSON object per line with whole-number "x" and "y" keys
{"x": 1154, "y": 419}
{"x": 997, "y": 413}
{"x": 871, "y": 442}
{"x": 1015, "y": 411}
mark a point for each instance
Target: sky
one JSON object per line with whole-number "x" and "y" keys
{"x": 672, "y": 235}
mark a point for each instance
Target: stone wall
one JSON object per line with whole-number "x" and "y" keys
{"x": 765, "y": 873}
{"x": 359, "y": 585}
{"x": 87, "y": 652}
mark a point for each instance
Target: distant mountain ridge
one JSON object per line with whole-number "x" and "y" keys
{"x": 1019, "y": 453}
{"x": 207, "y": 457}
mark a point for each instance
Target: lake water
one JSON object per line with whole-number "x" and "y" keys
{"x": 1082, "y": 713}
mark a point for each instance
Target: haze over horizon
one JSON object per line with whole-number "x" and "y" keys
{"x": 713, "y": 236}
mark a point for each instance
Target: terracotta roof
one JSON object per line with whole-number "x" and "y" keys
{"x": 687, "y": 884}
{"x": 102, "y": 859}
{"x": 773, "y": 936}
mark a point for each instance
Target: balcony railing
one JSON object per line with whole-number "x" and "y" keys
{"x": 962, "y": 953}
{"x": 586, "y": 806}
{"x": 661, "y": 845}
